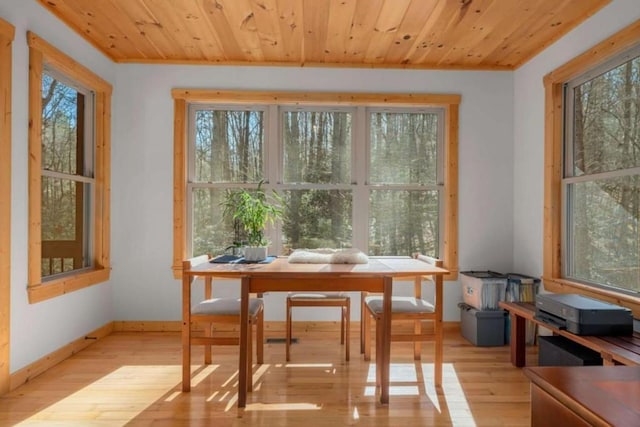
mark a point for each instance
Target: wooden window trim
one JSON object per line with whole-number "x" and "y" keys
{"x": 7, "y": 34}
{"x": 553, "y": 135}
{"x": 449, "y": 102}
{"x": 42, "y": 53}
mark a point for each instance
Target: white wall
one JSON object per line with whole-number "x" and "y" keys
{"x": 39, "y": 329}
{"x": 528, "y": 138}
{"x": 143, "y": 161}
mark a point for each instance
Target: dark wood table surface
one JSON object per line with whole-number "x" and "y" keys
{"x": 585, "y": 396}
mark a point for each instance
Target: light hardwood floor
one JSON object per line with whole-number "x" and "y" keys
{"x": 133, "y": 378}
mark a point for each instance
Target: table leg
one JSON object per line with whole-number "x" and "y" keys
{"x": 386, "y": 341}
{"x": 517, "y": 337}
{"x": 186, "y": 332}
{"x": 363, "y": 315}
{"x": 607, "y": 359}
{"x": 438, "y": 331}
{"x": 243, "y": 363}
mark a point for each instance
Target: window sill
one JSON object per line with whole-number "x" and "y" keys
{"x": 564, "y": 286}
{"x": 177, "y": 271}
{"x": 64, "y": 285}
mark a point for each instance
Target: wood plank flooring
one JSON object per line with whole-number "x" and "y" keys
{"x": 133, "y": 379}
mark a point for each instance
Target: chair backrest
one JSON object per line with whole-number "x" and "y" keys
{"x": 188, "y": 264}
{"x": 192, "y": 262}
{"x": 418, "y": 281}
{"x": 430, "y": 260}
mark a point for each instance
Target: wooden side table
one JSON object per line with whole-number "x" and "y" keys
{"x": 585, "y": 396}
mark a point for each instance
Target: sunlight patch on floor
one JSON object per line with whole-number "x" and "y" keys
{"x": 202, "y": 374}
{"x": 398, "y": 372}
{"x": 455, "y": 402}
{"x": 172, "y": 396}
{"x": 282, "y": 407}
{"x": 455, "y": 398}
{"x": 429, "y": 384}
{"x": 231, "y": 404}
{"x": 105, "y": 396}
{"x": 309, "y": 365}
{"x": 231, "y": 378}
{"x": 259, "y": 373}
{"x": 394, "y": 391}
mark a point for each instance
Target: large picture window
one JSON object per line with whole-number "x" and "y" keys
{"x": 67, "y": 175}
{"x": 317, "y": 149}
{"x": 358, "y": 175}
{"x": 602, "y": 175}
{"x": 592, "y": 173}
{"x": 405, "y": 175}
{"x": 226, "y": 151}
{"x": 69, "y": 157}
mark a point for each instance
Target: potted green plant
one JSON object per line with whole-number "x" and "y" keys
{"x": 253, "y": 210}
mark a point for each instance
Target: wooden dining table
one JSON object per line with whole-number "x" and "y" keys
{"x": 280, "y": 275}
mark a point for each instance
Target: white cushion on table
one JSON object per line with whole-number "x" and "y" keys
{"x": 328, "y": 256}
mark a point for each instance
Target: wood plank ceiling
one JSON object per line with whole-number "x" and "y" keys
{"x": 444, "y": 34}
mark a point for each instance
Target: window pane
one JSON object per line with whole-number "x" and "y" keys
{"x": 228, "y": 146}
{"x": 403, "y": 222}
{"x": 404, "y": 148}
{"x": 317, "y": 219}
{"x": 65, "y": 205}
{"x": 605, "y": 244}
{"x": 317, "y": 147}
{"x": 211, "y": 232}
{"x": 606, "y": 121}
{"x": 62, "y": 110}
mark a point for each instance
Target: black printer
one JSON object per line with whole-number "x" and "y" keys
{"x": 581, "y": 315}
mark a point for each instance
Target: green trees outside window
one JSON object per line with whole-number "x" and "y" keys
{"x": 348, "y": 176}
{"x": 66, "y": 178}
{"x": 602, "y": 175}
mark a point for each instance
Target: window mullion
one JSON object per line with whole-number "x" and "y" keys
{"x": 568, "y": 170}
{"x": 62, "y": 175}
{"x": 360, "y": 162}
{"x": 602, "y": 175}
{"x": 273, "y": 167}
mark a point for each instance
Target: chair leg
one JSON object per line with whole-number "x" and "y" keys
{"x": 186, "y": 360}
{"x": 378, "y": 349}
{"x": 260, "y": 337}
{"x": 342, "y": 314}
{"x": 250, "y": 351}
{"x": 288, "y": 327}
{"x": 347, "y": 329}
{"x": 367, "y": 334}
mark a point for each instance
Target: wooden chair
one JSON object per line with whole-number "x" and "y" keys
{"x": 321, "y": 299}
{"x": 212, "y": 311}
{"x": 404, "y": 308}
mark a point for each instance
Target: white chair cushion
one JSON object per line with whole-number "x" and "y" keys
{"x": 400, "y": 305}
{"x": 226, "y": 306}
{"x": 317, "y": 296}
